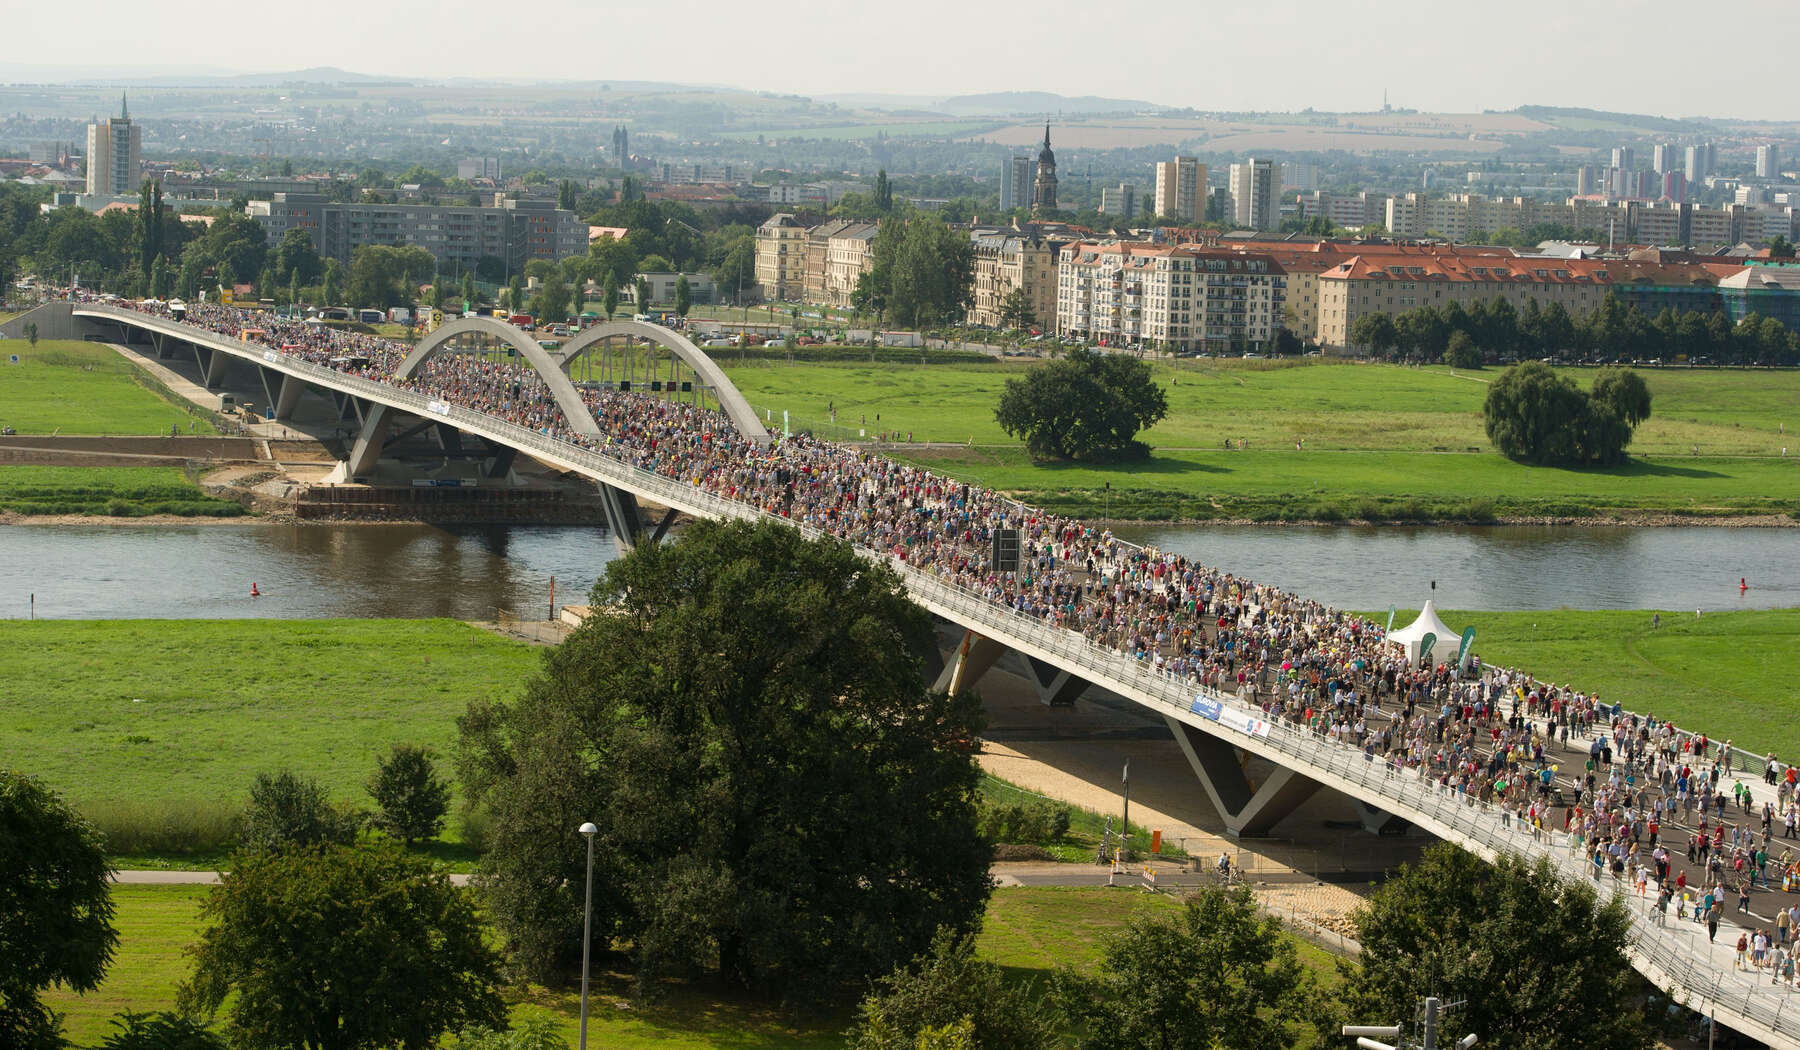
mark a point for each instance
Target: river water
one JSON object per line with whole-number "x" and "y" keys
{"x": 319, "y": 569}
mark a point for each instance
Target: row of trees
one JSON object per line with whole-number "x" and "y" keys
{"x": 1612, "y": 331}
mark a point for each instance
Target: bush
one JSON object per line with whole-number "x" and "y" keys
{"x": 1039, "y": 821}
{"x": 287, "y": 810}
{"x": 949, "y": 986}
{"x": 161, "y": 1031}
{"x": 1462, "y": 352}
{"x": 140, "y": 827}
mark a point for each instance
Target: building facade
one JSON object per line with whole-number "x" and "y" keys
{"x": 1174, "y": 297}
{"x": 1254, "y": 195}
{"x": 781, "y": 257}
{"x": 1181, "y": 189}
{"x": 114, "y": 155}
{"x": 515, "y": 231}
{"x": 1015, "y": 183}
{"x": 848, "y": 255}
{"x": 1007, "y": 262}
{"x": 1118, "y": 200}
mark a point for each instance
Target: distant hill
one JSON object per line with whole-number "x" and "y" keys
{"x": 1582, "y": 119}
{"x": 1001, "y": 103}
{"x": 315, "y": 75}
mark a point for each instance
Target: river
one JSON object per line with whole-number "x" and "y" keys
{"x": 319, "y": 570}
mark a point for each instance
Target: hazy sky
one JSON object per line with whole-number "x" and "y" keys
{"x": 1655, "y": 56}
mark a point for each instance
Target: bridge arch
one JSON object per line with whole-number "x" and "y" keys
{"x": 575, "y": 411}
{"x": 730, "y": 399}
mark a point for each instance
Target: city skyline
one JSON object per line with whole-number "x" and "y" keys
{"x": 942, "y": 50}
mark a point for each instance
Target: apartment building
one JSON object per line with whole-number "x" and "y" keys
{"x": 1254, "y": 195}
{"x": 1181, "y": 189}
{"x": 115, "y": 159}
{"x": 1120, "y": 200}
{"x": 781, "y": 257}
{"x": 1352, "y": 211}
{"x": 1175, "y": 297}
{"x": 1008, "y": 261}
{"x": 515, "y": 231}
{"x": 818, "y": 241}
{"x": 848, "y": 256}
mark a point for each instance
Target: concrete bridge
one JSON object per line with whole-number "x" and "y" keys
{"x": 1218, "y": 734}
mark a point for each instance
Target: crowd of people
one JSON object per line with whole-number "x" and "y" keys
{"x": 1622, "y": 788}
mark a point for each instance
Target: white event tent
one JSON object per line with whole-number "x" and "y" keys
{"x": 1412, "y": 636}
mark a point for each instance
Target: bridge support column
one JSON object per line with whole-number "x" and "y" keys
{"x": 215, "y": 368}
{"x": 622, "y": 516}
{"x": 1055, "y": 686}
{"x": 1249, "y": 810}
{"x": 973, "y": 658}
{"x": 369, "y": 442}
{"x": 1378, "y": 822}
{"x": 288, "y": 398}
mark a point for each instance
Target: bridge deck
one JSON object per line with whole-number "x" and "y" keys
{"x": 1677, "y": 957}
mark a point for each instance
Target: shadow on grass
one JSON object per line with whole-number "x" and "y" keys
{"x": 1155, "y": 465}
{"x": 1643, "y": 468}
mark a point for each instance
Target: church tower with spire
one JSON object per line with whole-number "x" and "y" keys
{"x": 1043, "y": 188}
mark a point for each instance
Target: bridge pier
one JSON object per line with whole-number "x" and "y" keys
{"x": 215, "y": 366}
{"x": 1249, "y": 810}
{"x": 973, "y": 658}
{"x": 288, "y": 397}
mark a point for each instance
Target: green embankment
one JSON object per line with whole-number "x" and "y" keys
{"x": 1029, "y": 931}
{"x": 84, "y": 388}
{"x": 124, "y": 492}
{"x": 177, "y": 716}
{"x": 1731, "y": 675}
{"x": 1325, "y": 440}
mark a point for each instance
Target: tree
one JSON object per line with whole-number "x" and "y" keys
{"x": 566, "y": 192}
{"x": 1217, "y": 975}
{"x": 468, "y": 290}
{"x": 1083, "y": 406}
{"x": 1531, "y": 413}
{"x": 297, "y": 257}
{"x": 1462, "y": 351}
{"x": 640, "y": 289}
{"x": 947, "y": 986}
{"x": 339, "y": 948}
{"x": 288, "y": 811}
{"x": 1456, "y": 927}
{"x": 684, "y": 296}
{"x": 884, "y": 193}
{"x": 551, "y": 303}
{"x": 609, "y": 294}
{"x": 56, "y": 908}
{"x": 1625, "y": 392}
{"x": 1015, "y": 310}
{"x": 1375, "y": 331}
{"x": 1779, "y": 248}
{"x": 31, "y": 333}
{"x": 923, "y": 270}
{"x": 739, "y": 727}
{"x": 333, "y": 290}
{"x": 737, "y": 269}
{"x": 380, "y": 274}
{"x": 515, "y": 294}
{"x": 410, "y": 798}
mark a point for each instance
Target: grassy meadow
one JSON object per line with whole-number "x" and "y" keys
{"x": 1030, "y": 931}
{"x": 1325, "y": 440}
{"x": 1733, "y": 675}
{"x": 112, "y": 491}
{"x": 84, "y": 388}
{"x": 131, "y": 719}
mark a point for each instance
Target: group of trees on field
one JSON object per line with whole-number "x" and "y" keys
{"x": 1611, "y": 333}
{"x": 1536, "y": 415}
{"x": 922, "y": 274}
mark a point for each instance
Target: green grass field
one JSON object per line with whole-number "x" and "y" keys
{"x": 84, "y": 388}
{"x": 1030, "y": 931}
{"x": 189, "y": 711}
{"x": 114, "y": 491}
{"x": 1731, "y": 675}
{"x": 1409, "y": 439}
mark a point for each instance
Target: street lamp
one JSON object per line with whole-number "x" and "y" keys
{"x": 587, "y": 926}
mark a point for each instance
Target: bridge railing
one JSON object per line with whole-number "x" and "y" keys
{"x": 1404, "y": 791}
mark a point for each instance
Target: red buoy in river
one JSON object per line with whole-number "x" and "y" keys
{"x": 1743, "y": 584}
{"x": 254, "y": 593}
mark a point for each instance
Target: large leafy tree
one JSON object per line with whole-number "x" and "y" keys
{"x": 1458, "y": 928}
{"x": 56, "y": 910}
{"x": 1216, "y": 976}
{"x": 339, "y": 948}
{"x": 780, "y": 800}
{"x": 1533, "y": 414}
{"x": 1086, "y": 405}
{"x": 296, "y": 258}
{"x": 924, "y": 269}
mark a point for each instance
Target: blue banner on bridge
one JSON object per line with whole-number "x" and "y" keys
{"x": 1205, "y": 708}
